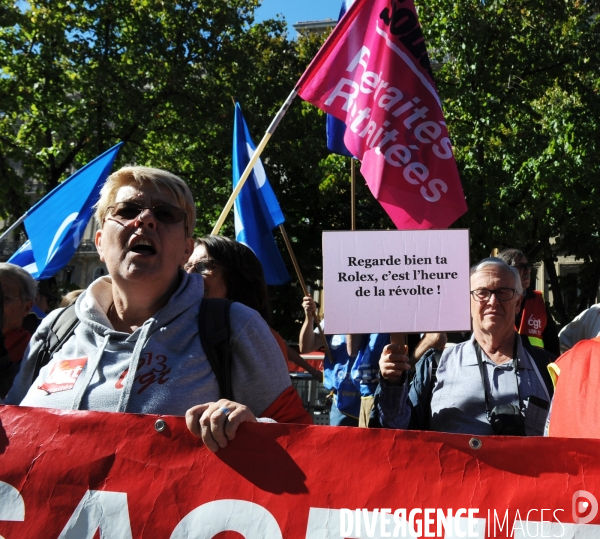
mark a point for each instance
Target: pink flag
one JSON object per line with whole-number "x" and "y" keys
{"x": 373, "y": 73}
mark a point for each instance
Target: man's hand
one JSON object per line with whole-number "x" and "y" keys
{"x": 394, "y": 363}
{"x": 308, "y": 341}
{"x": 309, "y": 306}
{"x": 217, "y": 422}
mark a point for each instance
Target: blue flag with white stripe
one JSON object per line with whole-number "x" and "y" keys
{"x": 55, "y": 225}
{"x": 337, "y": 128}
{"x": 24, "y": 257}
{"x": 256, "y": 210}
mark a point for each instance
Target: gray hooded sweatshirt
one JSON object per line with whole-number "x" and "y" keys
{"x": 160, "y": 368}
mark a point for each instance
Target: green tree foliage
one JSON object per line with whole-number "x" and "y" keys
{"x": 520, "y": 81}
{"x": 78, "y": 76}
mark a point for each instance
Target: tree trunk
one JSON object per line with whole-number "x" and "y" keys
{"x": 558, "y": 303}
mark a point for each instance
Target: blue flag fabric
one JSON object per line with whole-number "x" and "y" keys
{"x": 335, "y": 136}
{"x": 336, "y": 128}
{"x": 24, "y": 257}
{"x": 256, "y": 210}
{"x": 55, "y": 225}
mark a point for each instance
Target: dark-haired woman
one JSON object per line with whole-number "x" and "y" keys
{"x": 231, "y": 270}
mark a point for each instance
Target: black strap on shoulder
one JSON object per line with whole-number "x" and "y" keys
{"x": 435, "y": 362}
{"x": 214, "y": 331}
{"x": 483, "y": 376}
{"x": 60, "y": 331}
{"x": 542, "y": 359}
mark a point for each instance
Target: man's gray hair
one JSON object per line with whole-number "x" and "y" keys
{"x": 499, "y": 263}
{"x": 27, "y": 284}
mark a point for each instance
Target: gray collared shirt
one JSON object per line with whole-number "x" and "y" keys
{"x": 457, "y": 401}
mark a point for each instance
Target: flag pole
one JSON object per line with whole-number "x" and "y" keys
{"x": 253, "y": 161}
{"x": 14, "y": 225}
{"x": 288, "y": 244}
{"x": 352, "y": 343}
{"x": 353, "y": 195}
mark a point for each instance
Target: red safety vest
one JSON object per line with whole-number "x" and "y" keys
{"x": 576, "y": 404}
{"x": 533, "y": 320}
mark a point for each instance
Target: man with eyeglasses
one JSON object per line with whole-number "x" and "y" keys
{"x": 495, "y": 383}
{"x": 533, "y": 318}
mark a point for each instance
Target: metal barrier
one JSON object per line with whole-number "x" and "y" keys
{"x": 313, "y": 394}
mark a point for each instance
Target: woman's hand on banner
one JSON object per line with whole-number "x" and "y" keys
{"x": 217, "y": 422}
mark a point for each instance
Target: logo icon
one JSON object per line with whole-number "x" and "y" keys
{"x": 535, "y": 323}
{"x": 585, "y": 507}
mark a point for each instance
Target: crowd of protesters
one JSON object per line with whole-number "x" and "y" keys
{"x": 183, "y": 328}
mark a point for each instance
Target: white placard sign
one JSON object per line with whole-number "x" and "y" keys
{"x": 396, "y": 281}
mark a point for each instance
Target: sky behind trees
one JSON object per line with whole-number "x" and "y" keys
{"x": 295, "y": 11}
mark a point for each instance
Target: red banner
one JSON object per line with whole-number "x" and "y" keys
{"x": 77, "y": 474}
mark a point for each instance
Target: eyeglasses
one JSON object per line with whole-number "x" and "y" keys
{"x": 165, "y": 213}
{"x": 202, "y": 266}
{"x": 522, "y": 266}
{"x": 502, "y": 294}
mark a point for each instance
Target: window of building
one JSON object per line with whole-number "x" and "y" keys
{"x": 100, "y": 271}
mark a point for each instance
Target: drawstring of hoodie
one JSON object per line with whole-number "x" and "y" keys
{"x": 91, "y": 368}
{"x": 133, "y": 365}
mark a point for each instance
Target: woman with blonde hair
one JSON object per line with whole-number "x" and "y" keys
{"x": 136, "y": 347}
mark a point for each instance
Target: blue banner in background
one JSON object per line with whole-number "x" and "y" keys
{"x": 256, "y": 210}
{"x": 55, "y": 225}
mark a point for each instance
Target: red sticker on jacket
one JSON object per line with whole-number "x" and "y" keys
{"x": 63, "y": 375}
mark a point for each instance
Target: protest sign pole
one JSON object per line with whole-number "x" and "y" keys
{"x": 288, "y": 244}
{"x": 399, "y": 338}
{"x": 250, "y": 166}
{"x": 352, "y": 342}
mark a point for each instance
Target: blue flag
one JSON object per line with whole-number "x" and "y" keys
{"x": 256, "y": 210}
{"x": 24, "y": 257}
{"x": 55, "y": 225}
{"x": 336, "y": 128}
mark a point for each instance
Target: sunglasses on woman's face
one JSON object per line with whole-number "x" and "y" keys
{"x": 202, "y": 267}
{"x": 129, "y": 211}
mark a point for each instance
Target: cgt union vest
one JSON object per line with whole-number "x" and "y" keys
{"x": 533, "y": 320}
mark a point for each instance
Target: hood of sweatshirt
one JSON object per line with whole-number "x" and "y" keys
{"x": 92, "y": 308}
{"x": 93, "y": 304}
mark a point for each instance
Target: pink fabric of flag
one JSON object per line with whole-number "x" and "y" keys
{"x": 373, "y": 73}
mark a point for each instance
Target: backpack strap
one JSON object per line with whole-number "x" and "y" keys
{"x": 214, "y": 331}
{"x": 61, "y": 330}
{"x": 542, "y": 359}
{"x": 432, "y": 368}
